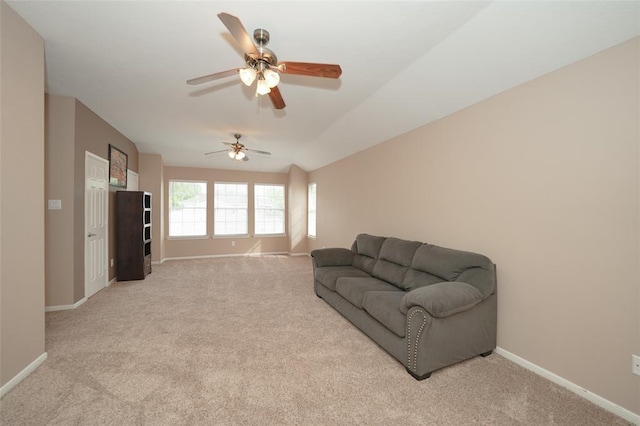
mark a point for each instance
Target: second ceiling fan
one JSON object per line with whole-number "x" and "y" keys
{"x": 237, "y": 151}
{"x": 262, "y": 64}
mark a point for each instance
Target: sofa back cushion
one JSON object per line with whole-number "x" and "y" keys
{"x": 433, "y": 264}
{"x": 394, "y": 261}
{"x": 367, "y": 249}
{"x": 416, "y": 278}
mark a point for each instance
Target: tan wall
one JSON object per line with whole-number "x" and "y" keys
{"x": 151, "y": 180}
{"x": 544, "y": 179}
{"x": 21, "y": 211}
{"x": 175, "y": 248}
{"x": 93, "y": 134}
{"x": 297, "y": 210}
{"x": 71, "y": 129}
{"x": 59, "y": 185}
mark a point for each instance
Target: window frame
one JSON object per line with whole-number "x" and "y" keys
{"x": 206, "y": 210}
{"x": 312, "y": 212}
{"x": 215, "y": 210}
{"x": 284, "y": 210}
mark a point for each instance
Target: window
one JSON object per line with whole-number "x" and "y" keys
{"x": 187, "y": 208}
{"x": 230, "y": 209}
{"x": 311, "y": 210}
{"x": 269, "y": 209}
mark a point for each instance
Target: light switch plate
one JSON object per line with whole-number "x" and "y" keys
{"x": 55, "y": 204}
{"x": 635, "y": 364}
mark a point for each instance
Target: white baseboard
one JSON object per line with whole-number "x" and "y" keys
{"x": 22, "y": 375}
{"x": 596, "y": 399}
{"x": 65, "y": 307}
{"x": 299, "y": 254}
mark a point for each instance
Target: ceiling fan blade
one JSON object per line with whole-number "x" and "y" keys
{"x": 238, "y": 32}
{"x": 276, "y": 98}
{"x": 216, "y": 152}
{"x": 258, "y": 151}
{"x": 211, "y": 77}
{"x": 310, "y": 69}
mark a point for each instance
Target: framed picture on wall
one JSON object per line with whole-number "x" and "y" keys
{"x": 117, "y": 167}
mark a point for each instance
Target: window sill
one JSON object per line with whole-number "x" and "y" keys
{"x": 189, "y": 237}
{"x": 240, "y": 236}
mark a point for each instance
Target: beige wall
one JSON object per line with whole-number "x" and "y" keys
{"x": 93, "y": 134}
{"x": 21, "y": 212}
{"x": 297, "y": 211}
{"x": 544, "y": 179}
{"x": 71, "y": 129}
{"x": 59, "y": 185}
{"x": 176, "y": 248}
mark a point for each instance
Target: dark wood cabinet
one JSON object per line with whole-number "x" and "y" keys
{"x": 133, "y": 235}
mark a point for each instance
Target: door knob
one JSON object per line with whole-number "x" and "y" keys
{"x": 91, "y": 235}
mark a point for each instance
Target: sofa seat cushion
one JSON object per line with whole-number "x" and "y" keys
{"x": 354, "y": 288}
{"x": 385, "y": 307}
{"x": 328, "y": 275}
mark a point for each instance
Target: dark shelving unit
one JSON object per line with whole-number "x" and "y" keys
{"x": 133, "y": 235}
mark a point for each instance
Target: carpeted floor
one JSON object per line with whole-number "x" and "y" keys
{"x": 245, "y": 341}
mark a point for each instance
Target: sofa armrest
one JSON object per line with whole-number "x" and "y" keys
{"x": 443, "y": 299}
{"x": 332, "y": 257}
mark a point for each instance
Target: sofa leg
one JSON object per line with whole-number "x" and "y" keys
{"x": 319, "y": 297}
{"x": 486, "y": 354}
{"x": 415, "y": 376}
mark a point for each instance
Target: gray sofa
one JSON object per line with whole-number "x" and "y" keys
{"x": 428, "y": 306}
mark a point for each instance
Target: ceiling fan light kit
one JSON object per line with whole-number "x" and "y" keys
{"x": 262, "y": 64}
{"x": 238, "y": 151}
{"x": 239, "y": 156}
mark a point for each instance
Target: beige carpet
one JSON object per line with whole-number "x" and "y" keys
{"x": 246, "y": 341}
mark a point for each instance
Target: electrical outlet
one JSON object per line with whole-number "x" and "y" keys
{"x": 233, "y": 243}
{"x": 112, "y": 263}
{"x": 635, "y": 364}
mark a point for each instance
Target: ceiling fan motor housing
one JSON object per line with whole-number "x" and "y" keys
{"x": 267, "y": 58}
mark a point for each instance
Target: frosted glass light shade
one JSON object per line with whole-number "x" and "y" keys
{"x": 272, "y": 78}
{"x": 263, "y": 87}
{"x": 247, "y": 75}
{"x": 237, "y": 155}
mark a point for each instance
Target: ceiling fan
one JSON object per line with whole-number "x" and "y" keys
{"x": 238, "y": 151}
{"x": 262, "y": 64}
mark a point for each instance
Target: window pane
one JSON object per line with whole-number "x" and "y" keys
{"x": 187, "y": 208}
{"x": 230, "y": 208}
{"x": 269, "y": 209}
{"x": 311, "y": 213}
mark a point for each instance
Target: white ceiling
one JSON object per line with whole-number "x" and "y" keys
{"x": 404, "y": 64}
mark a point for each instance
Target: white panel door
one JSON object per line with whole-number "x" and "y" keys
{"x": 96, "y": 221}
